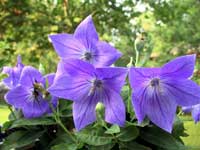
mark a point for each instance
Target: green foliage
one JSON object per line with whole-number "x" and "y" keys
{"x": 33, "y": 122}
{"x": 91, "y": 137}
{"x": 44, "y": 133}
{"x": 20, "y": 139}
{"x": 166, "y": 31}
{"x": 64, "y": 145}
{"x": 161, "y": 139}
{"x": 113, "y": 129}
{"x": 128, "y": 133}
{"x": 25, "y": 26}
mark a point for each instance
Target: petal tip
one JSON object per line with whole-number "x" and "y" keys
{"x": 19, "y": 59}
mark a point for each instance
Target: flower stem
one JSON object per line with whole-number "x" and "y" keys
{"x": 129, "y": 98}
{"x": 136, "y": 54}
{"x": 65, "y": 129}
{"x": 12, "y": 112}
{"x": 114, "y": 137}
{"x": 58, "y": 120}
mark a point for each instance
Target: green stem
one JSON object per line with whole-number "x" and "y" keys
{"x": 12, "y": 112}
{"x": 180, "y": 112}
{"x": 136, "y": 55}
{"x": 115, "y": 138}
{"x": 65, "y": 129}
{"x": 129, "y": 99}
{"x": 58, "y": 120}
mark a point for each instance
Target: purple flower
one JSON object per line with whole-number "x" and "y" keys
{"x": 28, "y": 95}
{"x": 87, "y": 86}
{"x": 158, "y": 91}
{"x": 14, "y": 74}
{"x": 187, "y": 109}
{"x": 84, "y": 44}
{"x": 195, "y": 112}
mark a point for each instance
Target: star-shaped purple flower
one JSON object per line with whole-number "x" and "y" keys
{"x": 14, "y": 74}
{"x": 87, "y": 86}
{"x": 158, "y": 91}
{"x": 29, "y": 94}
{"x": 195, "y": 112}
{"x": 84, "y": 44}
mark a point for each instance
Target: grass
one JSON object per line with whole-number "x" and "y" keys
{"x": 4, "y": 112}
{"x": 193, "y": 131}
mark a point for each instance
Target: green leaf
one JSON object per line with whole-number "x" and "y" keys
{"x": 125, "y": 92}
{"x": 133, "y": 146}
{"x": 32, "y": 122}
{"x": 60, "y": 139}
{"x": 64, "y": 146}
{"x": 93, "y": 139}
{"x": 144, "y": 123}
{"x": 162, "y": 139}
{"x": 113, "y": 129}
{"x": 103, "y": 147}
{"x": 178, "y": 130}
{"x": 20, "y": 139}
{"x": 16, "y": 114}
{"x": 65, "y": 108}
{"x": 128, "y": 133}
{"x": 7, "y": 125}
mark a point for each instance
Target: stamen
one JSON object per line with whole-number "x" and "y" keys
{"x": 37, "y": 90}
{"x": 87, "y": 56}
{"x": 97, "y": 84}
{"x": 155, "y": 82}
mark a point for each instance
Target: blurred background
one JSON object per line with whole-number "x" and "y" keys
{"x": 164, "y": 29}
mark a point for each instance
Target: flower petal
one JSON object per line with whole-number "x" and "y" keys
{"x": 139, "y": 76}
{"x": 160, "y": 108}
{"x": 54, "y": 101}
{"x": 67, "y": 46}
{"x": 181, "y": 67}
{"x": 114, "y": 107}
{"x": 184, "y": 92}
{"x": 187, "y": 109}
{"x": 60, "y": 69}
{"x": 72, "y": 88}
{"x": 17, "y": 96}
{"x": 137, "y": 98}
{"x": 196, "y": 113}
{"x": 86, "y": 32}
{"x": 77, "y": 67}
{"x": 105, "y": 55}
{"x": 113, "y": 77}
{"x": 84, "y": 111}
{"x": 29, "y": 76}
{"x": 14, "y": 74}
{"x": 35, "y": 108}
{"x": 9, "y": 80}
{"x": 7, "y": 70}
{"x": 19, "y": 62}
{"x": 50, "y": 78}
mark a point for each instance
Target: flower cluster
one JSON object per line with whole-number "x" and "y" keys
{"x": 85, "y": 76}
